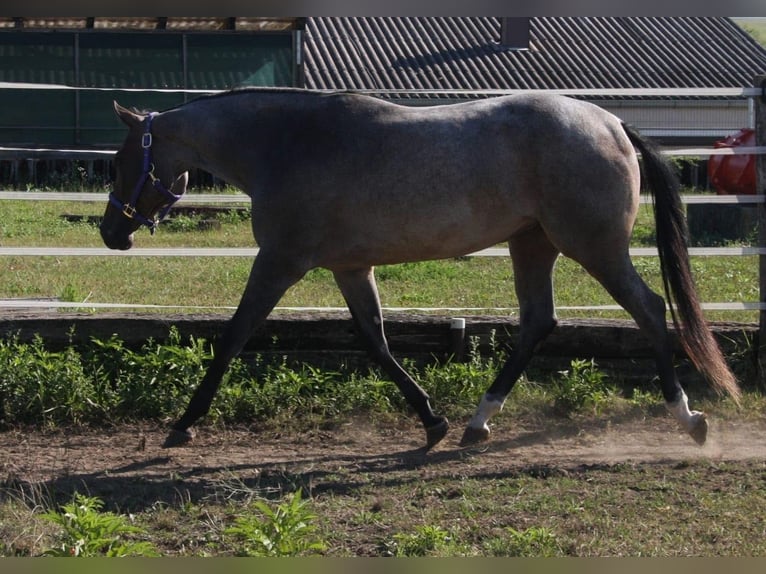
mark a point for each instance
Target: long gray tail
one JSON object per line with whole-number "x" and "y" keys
{"x": 694, "y": 333}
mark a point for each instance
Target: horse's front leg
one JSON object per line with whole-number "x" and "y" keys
{"x": 269, "y": 278}
{"x": 361, "y": 294}
{"x": 533, "y": 257}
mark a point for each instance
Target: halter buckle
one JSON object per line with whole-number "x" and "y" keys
{"x": 146, "y": 140}
{"x": 128, "y": 211}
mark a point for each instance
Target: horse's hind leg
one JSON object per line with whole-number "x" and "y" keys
{"x": 617, "y": 274}
{"x": 533, "y": 258}
{"x": 269, "y": 278}
{"x": 361, "y": 294}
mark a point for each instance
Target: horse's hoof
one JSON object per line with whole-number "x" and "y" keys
{"x": 178, "y": 438}
{"x": 699, "y": 429}
{"x": 435, "y": 433}
{"x": 473, "y": 435}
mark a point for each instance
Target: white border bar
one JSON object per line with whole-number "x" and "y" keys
{"x": 37, "y": 304}
{"x": 89, "y": 197}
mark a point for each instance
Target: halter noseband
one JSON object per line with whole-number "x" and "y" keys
{"x": 129, "y": 209}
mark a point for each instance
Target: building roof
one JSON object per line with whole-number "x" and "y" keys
{"x": 430, "y": 53}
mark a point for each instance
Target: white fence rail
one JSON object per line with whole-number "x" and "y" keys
{"x": 87, "y": 197}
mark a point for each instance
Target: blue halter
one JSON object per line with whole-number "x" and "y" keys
{"x": 129, "y": 209}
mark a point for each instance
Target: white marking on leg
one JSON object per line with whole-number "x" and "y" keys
{"x": 488, "y": 407}
{"x": 680, "y": 410}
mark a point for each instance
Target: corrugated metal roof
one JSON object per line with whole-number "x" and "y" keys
{"x": 568, "y": 52}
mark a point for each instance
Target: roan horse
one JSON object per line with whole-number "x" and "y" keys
{"x": 347, "y": 182}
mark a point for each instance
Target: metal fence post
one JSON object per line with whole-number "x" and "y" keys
{"x": 760, "y": 182}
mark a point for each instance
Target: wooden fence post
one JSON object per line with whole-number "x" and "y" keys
{"x": 760, "y": 183}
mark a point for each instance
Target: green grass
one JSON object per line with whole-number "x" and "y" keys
{"x": 483, "y": 283}
{"x": 756, "y": 28}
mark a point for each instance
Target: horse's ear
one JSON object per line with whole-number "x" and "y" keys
{"x": 128, "y": 117}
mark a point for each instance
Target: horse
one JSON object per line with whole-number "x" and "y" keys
{"x": 347, "y": 182}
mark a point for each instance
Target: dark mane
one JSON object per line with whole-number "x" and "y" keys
{"x": 249, "y": 90}
{"x": 262, "y": 90}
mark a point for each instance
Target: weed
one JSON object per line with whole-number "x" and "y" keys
{"x": 154, "y": 381}
{"x": 644, "y": 400}
{"x": 534, "y": 542}
{"x": 20, "y": 531}
{"x": 459, "y": 384}
{"x": 89, "y": 532}
{"x": 426, "y": 540}
{"x": 234, "y": 216}
{"x": 286, "y": 530}
{"x": 182, "y": 223}
{"x": 70, "y": 293}
{"x": 42, "y": 387}
{"x": 583, "y": 385}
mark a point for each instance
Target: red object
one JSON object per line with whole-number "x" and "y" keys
{"x": 733, "y": 174}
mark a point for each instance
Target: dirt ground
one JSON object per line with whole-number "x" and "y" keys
{"x": 121, "y": 461}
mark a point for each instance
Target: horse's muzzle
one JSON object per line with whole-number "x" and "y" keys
{"x": 114, "y": 240}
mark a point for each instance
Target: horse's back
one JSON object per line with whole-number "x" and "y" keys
{"x": 360, "y": 179}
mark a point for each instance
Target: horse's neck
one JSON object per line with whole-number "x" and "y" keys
{"x": 205, "y": 140}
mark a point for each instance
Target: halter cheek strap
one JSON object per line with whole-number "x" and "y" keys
{"x": 129, "y": 209}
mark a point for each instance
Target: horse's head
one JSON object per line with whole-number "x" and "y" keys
{"x": 144, "y": 166}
